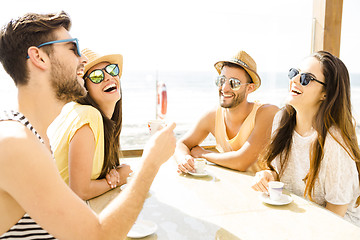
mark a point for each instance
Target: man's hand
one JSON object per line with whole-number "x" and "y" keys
{"x": 161, "y": 145}
{"x": 186, "y": 165}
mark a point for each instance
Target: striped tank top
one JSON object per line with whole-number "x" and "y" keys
{"x": 26, "y": 228}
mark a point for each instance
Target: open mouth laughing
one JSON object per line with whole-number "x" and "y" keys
{"x": 110, "y": 88}
{"x": 295, "y": 91}
{"x": 226, "y": 95}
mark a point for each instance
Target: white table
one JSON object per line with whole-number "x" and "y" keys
{"x": 223, "y": 206}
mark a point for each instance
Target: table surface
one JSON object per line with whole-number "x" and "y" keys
{"x": 222, "y": 205}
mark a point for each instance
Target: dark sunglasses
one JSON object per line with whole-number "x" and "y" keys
{"x": 74, "y": 40}
{"x": 98, "y": 75}
{"x": 235, "y": 84}
{"x": 305, "y": 78}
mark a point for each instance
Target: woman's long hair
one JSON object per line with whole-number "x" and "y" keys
{"x": 335, "y": 111}
{"x": 112, "y": 129}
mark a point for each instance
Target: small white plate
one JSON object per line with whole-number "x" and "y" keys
{"x": 203, "y": 174}
{"x": 285, "y": 199}
{"x": 142, "y": 228}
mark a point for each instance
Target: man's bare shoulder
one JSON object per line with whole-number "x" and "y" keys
{"x": 16, "y": 140}
{"x": 268, "y": 110}
{"x": 11, "y": 129}
{"x": 208, "y": 118}
{"x": 211, "y": 113}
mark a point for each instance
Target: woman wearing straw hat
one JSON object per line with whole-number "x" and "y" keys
{"x": 314, "y": 149}
{"x": 85, "y": 136}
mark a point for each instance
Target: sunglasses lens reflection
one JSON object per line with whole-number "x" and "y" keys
{"x": 112, "y": 69}
{"x": 305, "y": 79}
{"x": 235, "y": 84}
{"x": 292, "y": 73}
{"x": 96, "y": 76}
{"x": 220, "y": 80}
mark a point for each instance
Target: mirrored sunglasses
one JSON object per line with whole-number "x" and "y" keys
{"x": 74, "y": 40}
{"x": 98, "y": 75}
{"x": 305, "y": 78}
{"x": 235, "y": 84}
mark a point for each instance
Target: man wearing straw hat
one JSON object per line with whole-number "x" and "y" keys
{"x": 241, "y": 128}
{"x": 45, "y": 62}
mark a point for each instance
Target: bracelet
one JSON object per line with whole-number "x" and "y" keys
{"x": 193, "y": 147}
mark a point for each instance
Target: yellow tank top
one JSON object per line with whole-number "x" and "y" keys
{"x": 223, "y": 143}
{"x": 72, "y": 117}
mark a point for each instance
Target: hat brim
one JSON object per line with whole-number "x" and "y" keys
{"x": 254, "y": 76}
{"x": 112, "y": 58}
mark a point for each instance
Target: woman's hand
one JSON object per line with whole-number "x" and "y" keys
{"x": 198, "y": 152}
{"x": 124, "y": 171}
{"x": 113, "y": 178}
{"x": 262, "y": 179}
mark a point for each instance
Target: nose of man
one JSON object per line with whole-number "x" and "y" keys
{"x": 83, "y": 59}
{"x": 226, "y": 86}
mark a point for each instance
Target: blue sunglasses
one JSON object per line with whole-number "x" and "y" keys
{"x": 75, "y": 40}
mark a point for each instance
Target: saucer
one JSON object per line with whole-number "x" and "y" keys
{"x": 285, "y": 199}
{"x": 203, "y": 174}
{"x": 142, "y": 228}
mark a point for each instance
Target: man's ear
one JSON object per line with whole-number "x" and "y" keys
{"x": 251, "y": 87}
{"x": 37, "y": 57}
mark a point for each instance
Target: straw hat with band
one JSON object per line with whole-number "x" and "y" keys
{"x": 246, "y": 62}
{"x": 94, "y": 58}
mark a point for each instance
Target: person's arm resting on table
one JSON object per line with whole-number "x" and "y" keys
{"x": 338, "y": 209}
{"x": 81, "y": 155}
{"x": 29, "y": 175}
{"x": 247, "y": 155}
{"x": 192, "y": 138}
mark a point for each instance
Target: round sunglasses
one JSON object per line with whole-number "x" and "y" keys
{"x": 305, "y": 78}
{"x": 98, "y": 75}
{"x": 235, "y": 84}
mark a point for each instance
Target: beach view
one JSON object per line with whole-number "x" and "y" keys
{"x": 178, "y": 45}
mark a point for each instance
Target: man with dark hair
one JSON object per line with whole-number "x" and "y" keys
{"x": 241, "y": 128}
{"x": 45, "y": 62}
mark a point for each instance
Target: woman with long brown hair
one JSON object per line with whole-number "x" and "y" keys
{"x": 314, "y": 149}
{"x": 85, "y": 136}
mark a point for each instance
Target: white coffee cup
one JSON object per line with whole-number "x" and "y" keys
{"x": 199, "y": 165}
{"x": 155, "y": 125}
{"x": 275, "y": 190}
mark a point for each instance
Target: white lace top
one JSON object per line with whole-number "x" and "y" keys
{"x": 338, "y": 181}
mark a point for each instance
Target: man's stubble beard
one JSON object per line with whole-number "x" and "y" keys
{"x": 239, "y": 98}
{"x": 64, "y": 82}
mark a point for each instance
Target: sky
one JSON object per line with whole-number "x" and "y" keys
{"x": 193, "y": 34}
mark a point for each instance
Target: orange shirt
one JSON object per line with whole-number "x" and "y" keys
{"x": 223, "y": 143}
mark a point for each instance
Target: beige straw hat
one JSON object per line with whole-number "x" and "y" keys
{"x": 94, "y": 58}
{"x": 246, "y": 62}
